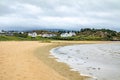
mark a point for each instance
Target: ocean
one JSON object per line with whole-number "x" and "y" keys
{"x": 98, "y": 61}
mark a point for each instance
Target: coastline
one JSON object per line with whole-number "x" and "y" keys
{"x": 29, "y": 60}
{"x": 62, "y": 68}
{"x": 96, "y": 64}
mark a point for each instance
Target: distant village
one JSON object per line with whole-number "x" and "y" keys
{"x": 35, "y": 34}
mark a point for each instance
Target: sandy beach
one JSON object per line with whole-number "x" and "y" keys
{"x": 17, "y": 62}
{"x": 30, "y": 60}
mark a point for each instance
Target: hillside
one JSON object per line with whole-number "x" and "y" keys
{"x": 100, "y": 34}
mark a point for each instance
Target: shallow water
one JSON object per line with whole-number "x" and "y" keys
{"x": 100, "y": 61}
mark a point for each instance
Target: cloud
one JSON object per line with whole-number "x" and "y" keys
{"x": 60, "y": 14}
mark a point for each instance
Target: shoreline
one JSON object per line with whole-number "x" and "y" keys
{"x": 62, "y": 68}
{"x": 63, "y": 56}
{"x": 29, "y": 60}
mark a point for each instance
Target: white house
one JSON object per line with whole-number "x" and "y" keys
{"x": 22, "y": 32}
{"x": 64, "y": 35}
{"x": 2, "y": 33}
{"x": 70, "y": 34}
{"x": 33, "y": 34}
{"x": 39, "y": 35}
{"x": 49, "y": 35}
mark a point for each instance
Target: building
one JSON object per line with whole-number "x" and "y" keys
{"x": 33, "y": 34}
{"x": 39, "y": 35}
{"x": 9, "y": 34}
{"x": 70, "y": 34}
{"x": 2, "y": 33}
{"x": 22, "y": 32}
{"x": 49, "y": 35}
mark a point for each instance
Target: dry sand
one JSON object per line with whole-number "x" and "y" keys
{"x": 29, "y": 60}
{"x": 17, "y": 62}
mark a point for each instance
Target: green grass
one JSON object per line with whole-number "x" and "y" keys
{"x": 75, "y": 38}
{"x": 13, "y": 38}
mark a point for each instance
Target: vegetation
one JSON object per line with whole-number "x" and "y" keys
{"x": 83, "y": 34}
{"x": 99, "y": 34}
{"x": 21, "y": 35}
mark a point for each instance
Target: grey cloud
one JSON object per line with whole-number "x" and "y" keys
{"x": 4, "y": 9}
{"x": 58, "y": 12}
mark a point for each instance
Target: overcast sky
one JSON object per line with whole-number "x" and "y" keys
{"x": 60, "y": 14}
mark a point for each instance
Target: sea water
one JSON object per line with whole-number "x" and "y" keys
{"x": 98, "y": 61}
